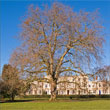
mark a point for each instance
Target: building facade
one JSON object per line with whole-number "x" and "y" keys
{"x": 71, "y": 85}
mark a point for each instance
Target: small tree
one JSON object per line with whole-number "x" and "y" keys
{"x": 11, "y": 81}
{"x": 58, "y": 40}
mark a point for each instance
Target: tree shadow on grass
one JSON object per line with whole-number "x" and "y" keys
{"x": 10, "y": 101}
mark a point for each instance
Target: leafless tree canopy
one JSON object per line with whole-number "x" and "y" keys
{"x": 57, "y": 40}
{"x": 103, "y": 73}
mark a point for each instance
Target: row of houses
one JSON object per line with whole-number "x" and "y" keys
{"x": 71, "y": 85}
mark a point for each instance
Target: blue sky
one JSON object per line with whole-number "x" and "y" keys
{"x": 12, "y": 11}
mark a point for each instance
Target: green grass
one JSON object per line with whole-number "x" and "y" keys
{"x": 59, "y": 105}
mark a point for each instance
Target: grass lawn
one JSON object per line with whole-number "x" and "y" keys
{"x": 59, "y": 105}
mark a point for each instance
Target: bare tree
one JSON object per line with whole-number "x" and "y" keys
{"x": 102, "y": 73}
{"x": 58, "y": 40}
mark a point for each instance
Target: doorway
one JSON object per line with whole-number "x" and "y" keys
{"x": 68, "y": 92}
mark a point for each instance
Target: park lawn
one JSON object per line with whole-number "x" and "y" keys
{"x": 45, "y": 105}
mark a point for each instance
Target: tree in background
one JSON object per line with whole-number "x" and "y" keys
{"x": 58, "y": 40}
{"x": 11, "y": 84}
{"x": 103, "y": 74}
{"x": 2, "y": 89}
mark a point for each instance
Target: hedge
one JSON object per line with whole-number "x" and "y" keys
{"x": 68, "y": 96}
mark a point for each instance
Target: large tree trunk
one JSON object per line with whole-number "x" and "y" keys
{"x": 53, "y": 90}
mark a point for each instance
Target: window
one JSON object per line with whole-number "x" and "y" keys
{"x": 99, "y": 85}
{"x": 46, "y": 86}
{"x": 62, "y": 92}
{"x": 73, "y": 85}
{"x": 39, "y": 91}
{"x": 68, "y": 92}
{"x": 84, "y": 91}
{"x": 94, "y": 91}
{"x": 35, "y": 92}
{"x": 73, "y": 79}
{"x": 73, "y": 91}
{"x": 45, "y": 92}
{"x": 103, "y": 91}
{"x": 30, "y": 92}
{"x": 89, "y": 85}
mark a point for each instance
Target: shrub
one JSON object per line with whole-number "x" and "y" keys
{"x": 68, "y": 96}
